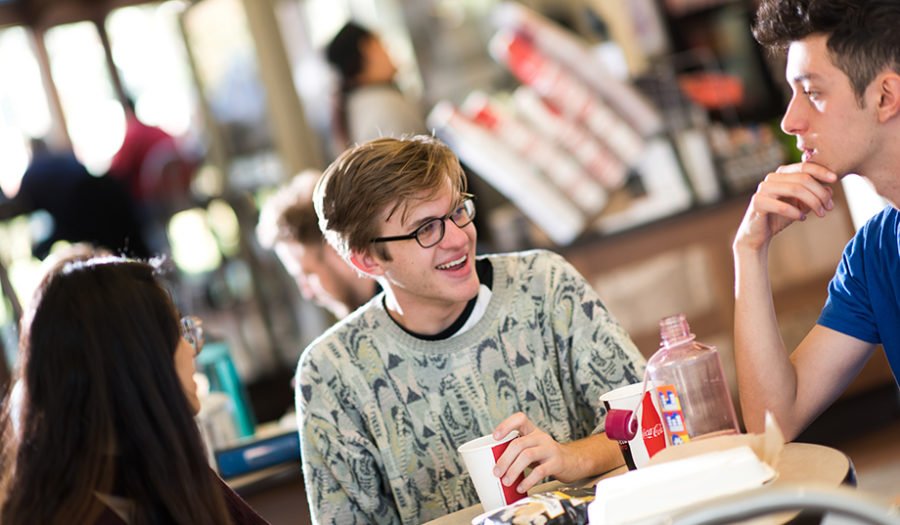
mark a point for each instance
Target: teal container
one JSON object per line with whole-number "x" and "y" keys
{"x": 215, "y": 362}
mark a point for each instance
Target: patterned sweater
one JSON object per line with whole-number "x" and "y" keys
{"x": 382, "y": 412}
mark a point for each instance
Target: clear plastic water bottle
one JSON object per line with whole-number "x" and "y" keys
{"x": 694, "y": 395}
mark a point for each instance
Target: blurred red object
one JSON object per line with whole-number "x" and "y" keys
{"x": 712, "y": 90}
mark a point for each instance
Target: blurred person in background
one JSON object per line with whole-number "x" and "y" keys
{"x": 83, "y": 208}
{"x": 103, "y": 429}
{"x": 843, "y": 66}
{"x": 369, "y": 104}
{"x": 143, "y": 156}
{"x": 157, "y": 173}
{"x": 289, "y": 226}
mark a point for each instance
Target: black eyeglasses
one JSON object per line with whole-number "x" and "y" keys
{"x": 192, "y": 331}
{"x": 431, "y": 233}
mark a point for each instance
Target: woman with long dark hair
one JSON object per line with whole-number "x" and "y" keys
{"x": 369, "y": 104}
{"x": 103, "y": 431}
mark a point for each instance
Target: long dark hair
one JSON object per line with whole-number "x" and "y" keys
{"x": 344, "y": 53}
{"x": 102, "y": 405}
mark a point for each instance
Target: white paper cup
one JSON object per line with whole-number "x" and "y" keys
{"x": 480, "y": 455}
{"x": 650, "y": 436}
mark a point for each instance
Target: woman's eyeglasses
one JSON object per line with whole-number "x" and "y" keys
{"x": 192, "y": 331}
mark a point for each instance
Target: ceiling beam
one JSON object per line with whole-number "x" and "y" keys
{"x": 43, "y": 14}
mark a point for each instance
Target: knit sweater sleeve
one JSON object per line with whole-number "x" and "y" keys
{"x": 341, "y": 464}
{"x": 596, "y": 354}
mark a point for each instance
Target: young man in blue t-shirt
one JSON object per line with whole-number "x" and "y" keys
{"x": 843, "y": 66}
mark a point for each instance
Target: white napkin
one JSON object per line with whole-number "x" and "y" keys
{"x": 650, "y": 493}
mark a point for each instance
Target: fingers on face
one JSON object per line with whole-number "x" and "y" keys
{"x": 792, "y": 195}
{"x": 817, "y": 171}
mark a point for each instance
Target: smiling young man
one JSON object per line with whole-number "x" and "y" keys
{"x": 456, "y": 347}
{"x": 843, "y": 65}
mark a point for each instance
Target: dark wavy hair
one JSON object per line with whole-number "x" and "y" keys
{"x": 863, "y": 38}
{"x": 102, "y": 405}
{"x": 344, "y": 53}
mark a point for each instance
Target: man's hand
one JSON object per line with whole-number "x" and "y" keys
{"x": 566, "y": 462}
{"x": 786, "y": 195}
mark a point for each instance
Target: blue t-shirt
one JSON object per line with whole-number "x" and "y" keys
{"x": 864, "y": 294}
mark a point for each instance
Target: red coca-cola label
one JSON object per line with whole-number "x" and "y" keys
{"x": 652, "y": 431}
{"x": 510, "y": 494}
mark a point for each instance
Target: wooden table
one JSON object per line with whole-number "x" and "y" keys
{"x": 798, "y": 463}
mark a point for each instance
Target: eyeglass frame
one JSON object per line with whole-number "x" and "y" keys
{"x": 192, "y": 331}
{"x": 467, "y": 197}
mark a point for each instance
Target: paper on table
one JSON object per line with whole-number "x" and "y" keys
{"x": 688, "y": 474}
{"x": 647, "y": 494}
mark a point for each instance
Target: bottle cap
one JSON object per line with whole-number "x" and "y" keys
{"x": 620, "y": 426}
{"x": 674, "y": 329}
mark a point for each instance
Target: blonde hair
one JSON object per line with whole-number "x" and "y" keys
{"x": 382, "y": 174}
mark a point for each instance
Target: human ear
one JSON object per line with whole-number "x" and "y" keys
{"x": 366, "y": 263}
{"x": 889, "y": 100}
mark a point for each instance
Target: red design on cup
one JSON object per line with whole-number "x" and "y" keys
{"x": 652, "y": 431}
{"x": 510, "y": 494}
